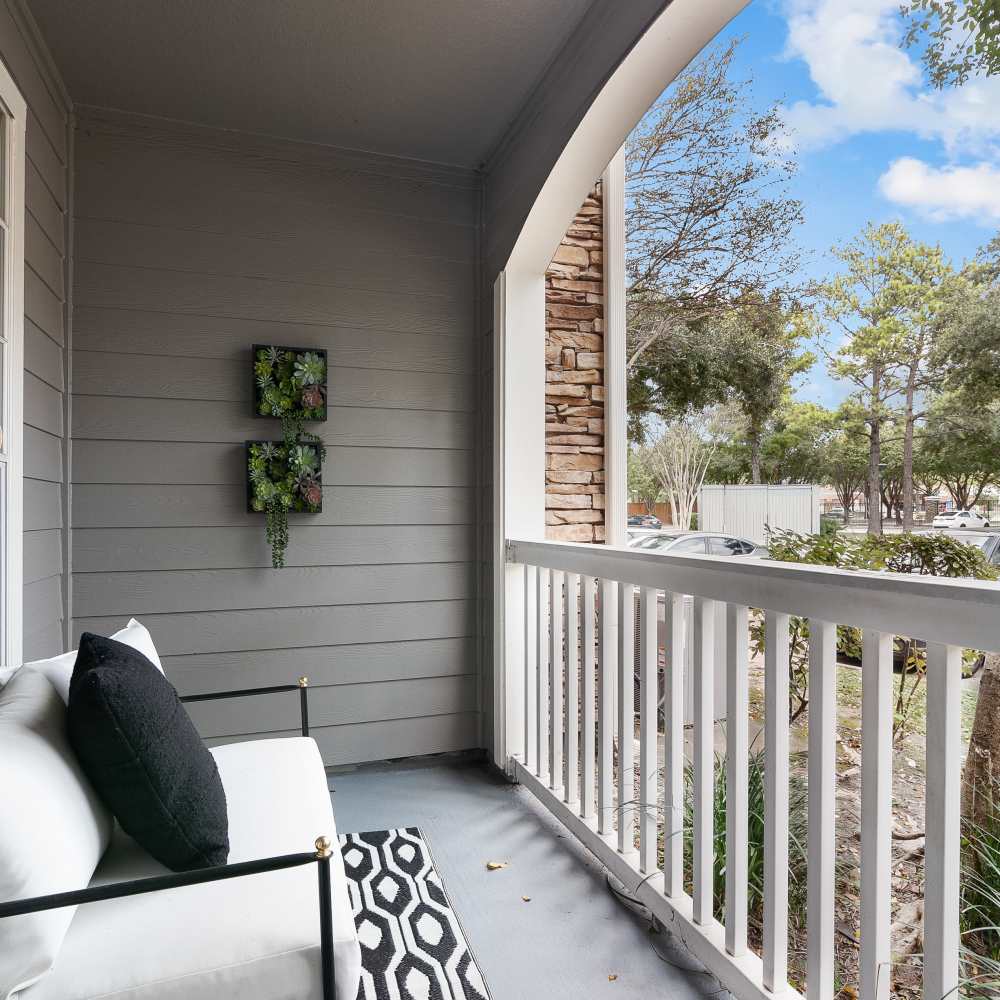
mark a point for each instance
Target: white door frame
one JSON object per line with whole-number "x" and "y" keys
{"x": 683, "y": 29}
{"x": 15, "y": 113}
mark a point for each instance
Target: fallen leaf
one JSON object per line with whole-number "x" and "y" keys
{"x": 527, "y": 899}
{"x": 492, "y": 866}
{"x": 612, "y": 977}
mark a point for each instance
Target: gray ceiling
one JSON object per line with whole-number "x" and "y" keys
{"x": 438, "y": 80}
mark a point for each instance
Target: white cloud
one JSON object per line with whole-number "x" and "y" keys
{"x": 943, "y": 193}
{"x": 866, "y": 83}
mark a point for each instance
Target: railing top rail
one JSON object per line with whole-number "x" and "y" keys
{"x": 952, "y": 611}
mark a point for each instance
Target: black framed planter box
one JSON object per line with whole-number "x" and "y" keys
{"x": 299, "y": 475}
{"x": 289, "y": 381}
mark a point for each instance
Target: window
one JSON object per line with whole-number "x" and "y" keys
{"x": 688, "y": 545}
{"x": 719, "y": 546}
{"x": 13, "y": 114}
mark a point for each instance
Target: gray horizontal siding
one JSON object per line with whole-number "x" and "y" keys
{"x": 234, "y": 589}
{"x": 367, "y": 662}
{"x": 134, "y": 549}
{"x": 188, "y": 251}
{"x": 129, "y": 506}
{"x": 209, "y": 463}
{"x": 137, "y": 331}
{"x": 100, "y": 374}
{"x": 345, "y": 704}
{"x": 352, "y": 743}
{"x": 46, "y": 167}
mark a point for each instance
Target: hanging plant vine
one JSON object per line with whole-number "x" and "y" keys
{"x": 284, "y": 478}
{"x": 290, "y": 385}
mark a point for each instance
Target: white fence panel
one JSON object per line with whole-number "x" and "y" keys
{"x": 748, "y": 511}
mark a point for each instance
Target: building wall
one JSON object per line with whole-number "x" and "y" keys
{"x": 191, "y": 245}
{"x": 45, "y": 337}
{"x": 574, "y": 377}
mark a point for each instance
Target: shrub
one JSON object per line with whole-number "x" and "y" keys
{"x": 923, "y": 554}
{"x": 797, "y": 851}
{"x": 980, "y": 909}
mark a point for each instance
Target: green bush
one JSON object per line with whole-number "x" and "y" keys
{"x": 980, "y": 909}
{"x": 797, "y": 851}
{"x": 922, "y": 554}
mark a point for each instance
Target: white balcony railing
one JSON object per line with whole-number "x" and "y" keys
{"x": 571, "y": 698}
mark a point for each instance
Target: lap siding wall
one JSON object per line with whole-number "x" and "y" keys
{"x": 46, "y": 333}
{"x": 191, "y": 245}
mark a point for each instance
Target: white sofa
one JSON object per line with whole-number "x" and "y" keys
{"x": 255, "y": 936}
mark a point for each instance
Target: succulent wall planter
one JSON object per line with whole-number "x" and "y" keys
{"x": 289, "y": 384}
{"x": 281, "y": 479}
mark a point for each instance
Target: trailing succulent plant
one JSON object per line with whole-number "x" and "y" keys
{"x": 290, "y": 385}
{"x": 284, "y": 477}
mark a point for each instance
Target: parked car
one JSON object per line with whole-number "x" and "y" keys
{"x": 644, "y": 521}
{"x": 987, "y": 541}
{"x": 960, "y": 519}
{"x": 679, "y": 542}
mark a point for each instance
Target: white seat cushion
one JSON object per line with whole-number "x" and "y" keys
{"x": 53, "y": 827}
{"x": 255, "y": 937}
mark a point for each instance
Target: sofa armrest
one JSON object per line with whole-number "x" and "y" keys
{"x": 216, "y": 873}
{"x": 302, "y": 687}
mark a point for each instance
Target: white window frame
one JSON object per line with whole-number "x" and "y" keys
{"x": 15, "y": 112}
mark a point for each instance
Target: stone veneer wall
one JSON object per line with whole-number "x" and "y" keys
{"x": 574, "y": 376}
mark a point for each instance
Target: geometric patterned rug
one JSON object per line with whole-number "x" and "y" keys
{"x": 412, "y": 945}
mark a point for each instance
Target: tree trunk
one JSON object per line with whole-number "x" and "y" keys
{"x": 981, "y": 779}
{"x": 874, "y": 461}
{"x": 908, "y": 457}
{"x": 754, "y": 438}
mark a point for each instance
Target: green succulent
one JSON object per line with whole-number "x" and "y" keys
{"x": 310, "y": 368}
{"x": 303, "y": 458}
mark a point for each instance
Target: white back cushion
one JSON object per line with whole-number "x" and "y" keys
{"x": 59, "y": 669}
{"x": 54, "y": 827}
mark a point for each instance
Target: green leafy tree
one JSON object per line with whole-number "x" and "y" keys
{"x": 961, "y": 445}
{"x": 643, "y": 484}
{"x": 709, "y": 216}
{"x": 746, "y": 357}
{"x": 845, "y": 456}
{"x": 884, "y": 303}
{"x": 959, "y": 38}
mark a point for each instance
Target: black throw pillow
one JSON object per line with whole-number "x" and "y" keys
{"x": 140, "y": 750}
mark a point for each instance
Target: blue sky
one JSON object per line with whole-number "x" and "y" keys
{"x": 873, "y": 141}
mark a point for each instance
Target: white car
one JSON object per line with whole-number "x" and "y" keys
{"x": 960, "y": 519}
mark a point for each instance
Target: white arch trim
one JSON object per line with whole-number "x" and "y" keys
{"x": 683, "y": 29}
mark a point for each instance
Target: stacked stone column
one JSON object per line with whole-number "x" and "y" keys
{"x": 574, "y": 380}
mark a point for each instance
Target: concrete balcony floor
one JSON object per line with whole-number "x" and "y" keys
{"x": 572, "y": 937}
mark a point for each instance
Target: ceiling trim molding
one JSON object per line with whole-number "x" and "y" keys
{"x": 111, "y": 121}
{"x": 40, "y": 53}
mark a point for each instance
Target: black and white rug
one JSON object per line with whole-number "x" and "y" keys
{"x": 412, "y": 945}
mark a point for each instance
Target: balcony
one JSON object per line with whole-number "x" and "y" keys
{"x": 572, "y": 658}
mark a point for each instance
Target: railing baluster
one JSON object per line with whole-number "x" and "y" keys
{"x": 737, "y": 802}
{"x": 571, "y": 769}
{"x": 556, "y": 682}
{"x": 822, "y": 808}
{"x": 876, "y": 813}
{"x": 703, "y": 684}
{"x": 673, "y": 747}
{"x": 648, "y": 711}
{"x": 589, "y": 714}
{"x": 606, "y": 710}
{"x": 626, "y": 718}
{"x": 943, "y": 823}
{"x": 775, "y": 943}
{"x": 542, "y": 675}
{"x": 530, "y": 665}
